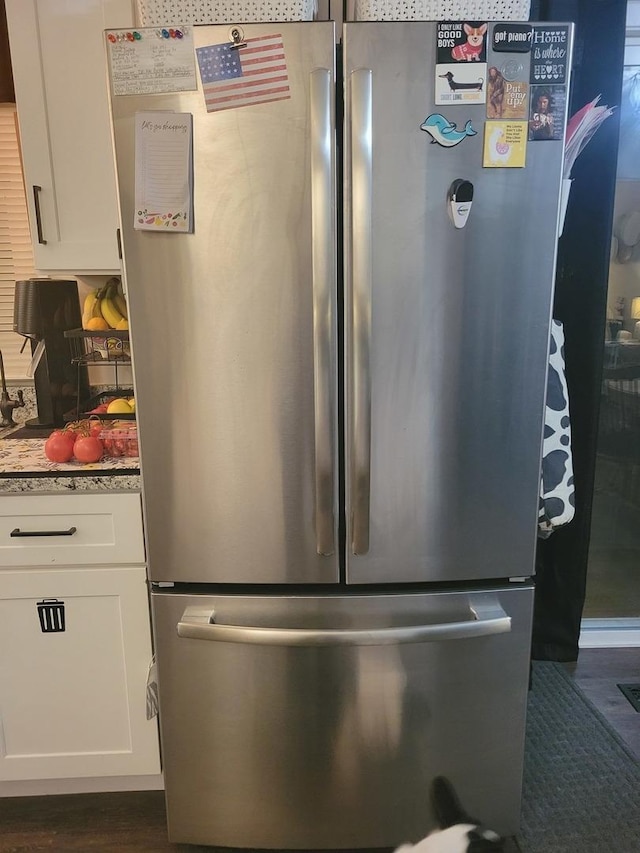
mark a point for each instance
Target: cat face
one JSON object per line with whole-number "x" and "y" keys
{"x": 461, "y": 838}
{"x": 458, "y": 833}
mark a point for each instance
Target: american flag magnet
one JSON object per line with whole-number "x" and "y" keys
{"x": 240, "y": 76}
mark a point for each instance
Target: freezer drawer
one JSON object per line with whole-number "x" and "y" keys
{"x": 319, "y": 722}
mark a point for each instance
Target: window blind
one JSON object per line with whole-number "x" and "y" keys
{"x": 16, "y": 256}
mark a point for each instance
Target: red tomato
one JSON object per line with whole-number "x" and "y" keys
{"x": 68, "y": 433}
{"x": 88, "y": 448}
{"x": 59, "y": 446}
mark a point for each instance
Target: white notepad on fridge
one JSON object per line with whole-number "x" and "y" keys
{"x": 164, "y": 172}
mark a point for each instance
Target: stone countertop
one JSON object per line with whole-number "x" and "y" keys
{"x": 25, "y": 468}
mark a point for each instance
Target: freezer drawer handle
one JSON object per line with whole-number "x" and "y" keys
{"x": 324, "y": 286}
{"x": 17, "y": 532}
{"x": 361, "y": 277}
{"x": 486, "y": 621}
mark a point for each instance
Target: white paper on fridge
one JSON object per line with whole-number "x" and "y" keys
{"x": 164, "y": 172}
{"x": 151, "y": 61}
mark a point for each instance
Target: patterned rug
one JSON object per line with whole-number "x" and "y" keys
{"x": 581, "y": 782}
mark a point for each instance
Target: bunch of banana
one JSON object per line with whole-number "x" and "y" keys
{"x": 105, "y": 308}
{"x": 92, "y": 318}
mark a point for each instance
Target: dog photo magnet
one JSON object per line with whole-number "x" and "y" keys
{"x": 461, "y": 84}
{"x": 462, "y": 42}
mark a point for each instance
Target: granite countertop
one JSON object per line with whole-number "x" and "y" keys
{"x": 25, "y": 468}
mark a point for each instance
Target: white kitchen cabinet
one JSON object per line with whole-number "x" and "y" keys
{"x": 59, "y": 69}
{"x": 73, "y": 701}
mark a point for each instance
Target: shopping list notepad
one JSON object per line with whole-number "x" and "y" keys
{"x": 164, "y": 172}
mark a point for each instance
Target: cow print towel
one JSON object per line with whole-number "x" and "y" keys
{"x": 557, "y": 498}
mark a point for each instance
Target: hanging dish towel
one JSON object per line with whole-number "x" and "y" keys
{"x": 557, "y": 497}
{"x": 152, "y": 689}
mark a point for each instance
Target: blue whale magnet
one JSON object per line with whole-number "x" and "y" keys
{"x": 445, "y": 132}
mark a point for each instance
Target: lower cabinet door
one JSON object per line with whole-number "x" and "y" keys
{"x": 74, "y": 655}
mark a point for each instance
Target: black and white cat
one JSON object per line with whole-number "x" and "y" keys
{"x": 458, "y": 832}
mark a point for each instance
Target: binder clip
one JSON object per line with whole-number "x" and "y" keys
{"x": 236, "y": 37}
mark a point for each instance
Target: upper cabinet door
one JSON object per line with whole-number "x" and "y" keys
{"x": 58, "y": 60}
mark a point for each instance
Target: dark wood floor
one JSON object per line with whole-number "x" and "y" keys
{"x": 83, "y": 823}
{"x": 135, "y": 821}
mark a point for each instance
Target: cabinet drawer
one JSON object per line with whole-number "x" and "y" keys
{"x": 70, "y": 530}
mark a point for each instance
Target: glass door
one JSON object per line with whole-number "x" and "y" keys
{"x": 613, "y": 592}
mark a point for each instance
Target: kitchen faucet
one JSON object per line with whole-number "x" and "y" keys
{"x": 7, "y": 405}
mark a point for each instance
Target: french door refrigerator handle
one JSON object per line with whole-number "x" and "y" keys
{"x": 361, "y": 273}
{"x": 487, "y": 621}
{"x": 324, "y": 286}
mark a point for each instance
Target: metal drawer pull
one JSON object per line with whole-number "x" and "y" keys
{"x": 36, "y": 203}
{"x": 17, "y": 532}
{"x": 362, "y": 283}
{"x": 323, "y": 280}
{"x": 486, "y": 622}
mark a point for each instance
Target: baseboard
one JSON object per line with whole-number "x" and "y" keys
{"x": 609, "y": 633}
{"x": 43, "y": 787}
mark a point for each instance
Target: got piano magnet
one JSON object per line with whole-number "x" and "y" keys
{"x": 512, "y": 38}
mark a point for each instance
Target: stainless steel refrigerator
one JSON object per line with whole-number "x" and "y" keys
{"x": 340, "y": 403}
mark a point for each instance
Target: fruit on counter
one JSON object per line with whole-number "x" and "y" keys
{"x": 108, "y": 305}
{"x": 60, "y": 445}
{"x": 120, "y": 406}
{"x": 91, "y": 308}
{"x": 79, "y": 440}
{"x": 102, "y": 408}
{"x": 97, "y": 324}
{"x": 120, "y": 301}
{"x": 110, "y": 311}
{"x": 88, "y": 448}
{"x": 120, "y": 438}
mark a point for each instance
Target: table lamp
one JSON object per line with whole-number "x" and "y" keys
{"x": 635, "y": 315}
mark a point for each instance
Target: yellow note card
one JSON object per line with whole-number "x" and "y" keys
{"x": 505, "y": 144}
